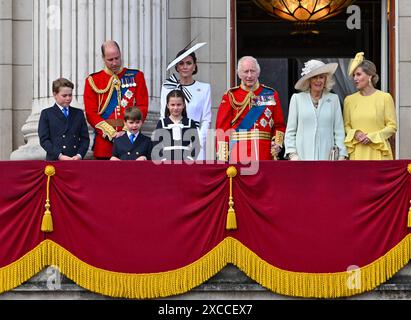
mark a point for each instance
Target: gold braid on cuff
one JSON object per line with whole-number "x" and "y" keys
{"x": 108, "y": 131}
{"x": 222, "y": 154}
{"x": 279, "y": 138}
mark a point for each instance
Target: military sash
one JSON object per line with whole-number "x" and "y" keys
{"x": 127, "y": 81}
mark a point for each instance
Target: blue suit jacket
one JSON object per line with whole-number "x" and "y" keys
{"x": 124, "y": 150}
{"x": 59, "y": 134}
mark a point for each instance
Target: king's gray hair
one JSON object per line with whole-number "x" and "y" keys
{"x": 242, "y": 59}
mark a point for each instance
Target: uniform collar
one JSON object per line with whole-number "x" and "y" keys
{"x": 254, "y": 88}
{"x": 110, "y": 73}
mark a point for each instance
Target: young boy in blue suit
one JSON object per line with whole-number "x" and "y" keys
{"x": 63, "y": 129}
{"x": 133, "y": 145}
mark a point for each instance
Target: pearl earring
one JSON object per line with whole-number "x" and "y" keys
{"x": 369, "y": 80}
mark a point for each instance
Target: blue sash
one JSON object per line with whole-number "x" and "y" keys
{"x": 250, "y": 118}
{"x": 128, "y": 77}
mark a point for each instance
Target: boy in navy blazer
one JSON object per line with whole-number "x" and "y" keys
{"x": 63, "y": 129}
{"x": 133, "y": 145}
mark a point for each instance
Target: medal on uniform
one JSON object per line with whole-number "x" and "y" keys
{"x": 271, "y": 123}
{"x": 124, "y": 103}
{"x": 263, "y": 122}
{"x": 128, "y": 94}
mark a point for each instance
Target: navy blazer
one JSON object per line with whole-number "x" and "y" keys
{"x": 125, "y": 150}
{"x": 59, "y": 134}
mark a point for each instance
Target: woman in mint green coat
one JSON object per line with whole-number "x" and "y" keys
{"x": 315, "y": 127}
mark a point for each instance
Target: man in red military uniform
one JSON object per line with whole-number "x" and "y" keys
{"x": 250, "y": 123}
{"x": 106, "y": 95}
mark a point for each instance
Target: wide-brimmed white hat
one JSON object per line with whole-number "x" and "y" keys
{"x": 185, "y": 54}
{"x": 313, "y": 68}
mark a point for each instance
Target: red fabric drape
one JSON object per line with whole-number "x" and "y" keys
{"x": 323, "y": 216}
{"x": 138, "y": 217}
{"x": 22, "y": 199}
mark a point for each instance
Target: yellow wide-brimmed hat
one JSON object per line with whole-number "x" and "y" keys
{"x": 313, "y": 68}
{"x": 354, "y": 63}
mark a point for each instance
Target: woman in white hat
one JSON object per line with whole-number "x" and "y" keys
{"x": 369, "y": 114}
{"x": 197, "y": 94}
{"x": 315, "y": 129}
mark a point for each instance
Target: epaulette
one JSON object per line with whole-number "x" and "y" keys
{"x": 267, "y": 87}
{"x": 231, "y": 89}
{"x": 131, "y": 72}
{"x": 96, "y": 73}
{"x": 129, "y": 69}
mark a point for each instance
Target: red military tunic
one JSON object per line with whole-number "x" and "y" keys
{"x": 250, "y": 120}
{"x": 106, "y": 95}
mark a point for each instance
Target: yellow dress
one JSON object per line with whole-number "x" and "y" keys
{"x": 375, "y": 116}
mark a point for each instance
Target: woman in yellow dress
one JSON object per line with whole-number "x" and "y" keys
{"x": 369, "y": 114}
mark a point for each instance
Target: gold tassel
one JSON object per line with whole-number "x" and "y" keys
{"x": 47, "y": 223}
{"x": 231, "y": 218}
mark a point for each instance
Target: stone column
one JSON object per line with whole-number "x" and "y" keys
{"x": 6, "y": 74}
{"x": 69, "y": 46}
{"x": 404, "y": 77}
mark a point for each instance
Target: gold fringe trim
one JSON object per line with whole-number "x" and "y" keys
{"x": 114, "y": 284}
{"x": 179, "y": 281}
{"x": 21, "y": 270}
{"x": 322, "y": 285}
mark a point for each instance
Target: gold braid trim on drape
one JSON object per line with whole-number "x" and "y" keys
{"x": 322, "y": 285}
{"x": 179, "y": 281}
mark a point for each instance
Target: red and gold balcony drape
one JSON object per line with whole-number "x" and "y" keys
{"x": 140, "y": 230}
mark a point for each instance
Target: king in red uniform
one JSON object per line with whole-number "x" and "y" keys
{"x": 106, "y": 95}
{"x": 250, "y": 119}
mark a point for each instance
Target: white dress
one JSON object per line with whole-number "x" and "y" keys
{"x": 198, "y": 109}
{"x": 312, "y": 132}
